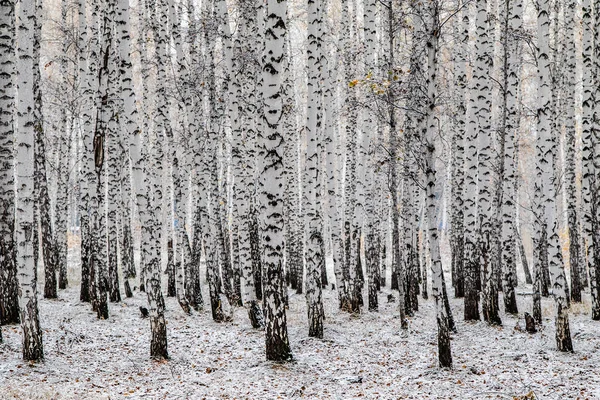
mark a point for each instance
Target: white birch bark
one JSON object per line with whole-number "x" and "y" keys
{"x": 433, "y": 32}
{"x": 9, "y": 304}
{"x": 512, "y": 59}
{"x": 270, "y": 196}
{"x": 314, "y": 221}
{"x": 595, "y": 263}
{"x": 485, "y": 179}
{"x": 587, "y": 120}
{"x": 129, "y": 120}
{"x": 471, "y": 255}
{"x": 546, "y": 207}
{"x": 569, "y": 82}
{"x": 24, "y": 220}
{"x": 458, "y": 154}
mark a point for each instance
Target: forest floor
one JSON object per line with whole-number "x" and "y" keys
{"x": 364, "y": 356}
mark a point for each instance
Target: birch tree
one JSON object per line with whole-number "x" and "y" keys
{"x": 547, "y": 226}
{"x": 9, "y": 298}
{"x": 41, "y": 179}
{"x": 458, "y": 149}
{"x": 471, "y": 255}
{"x": 33, "y": 349}
{"x": 570, "y": 178}
{"x": 595, "y": 141}
{"x": 484, "y": 167}
{"x": 513, "y": 21}
{"x": 63, "y": 174}
{"x": 314, "y": 255}
{"x": 270, "y": 155}
{"x": 87, "y": 73}
{"x": 131, "y": 130}
{"x": 433, "y": 32}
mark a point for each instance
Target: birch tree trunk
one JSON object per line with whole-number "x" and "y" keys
{"x": 433, "y": 31}
{"x": 9, "y": 298}
{"x": 61, "y": 210}
{"x": 314, "y": 255}
{"x": 513, "y": 24}
{"x": 397, "y": 273}
{"x": 87, "y": 72}
{"x": 293, "y": 223}
{"x": 587, "y": 120}
{"x": 595, "y": 140}
{"x": 369, "y": 170}
{"x": 41, "y": 180}
{"x": 570, "y": 178}
{"x": 484, "y": 169}
{"x": 33, "y": 349}
{"x": 210, "y": 198}
{"x": 98, "y": 183}
{"x": 472, "y": 261}
{"x": 270, "y": 156}
{"x": 458, "y": 162}
{"x": 131, "y": 130}
{"x": 113, "y": 156}
{"x": 546, "y": 207}
{"x": 351, "y": 231}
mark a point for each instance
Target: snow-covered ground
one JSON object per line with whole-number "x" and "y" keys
{"x": 361, "y": 356}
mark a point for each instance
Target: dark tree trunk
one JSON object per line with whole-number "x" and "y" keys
{"x": 394, "y": 283}
{"x": 84, "y": 293}
{"x": 237, "y": 276}
{"x": 113, "y": 274}
{"x": 471, "y": 291}
{"x": 226, "y": 265}
{"x": 360, "y": 277}
{"x": 255, "y": 252}
{"x": 371, "y": 261}
{"x": 451, "y": 323}
{"x": 423, "y": 249}
{"x": 9, "y": 300}
{"x": 192, "y": 266}
{"x": 574, "y": 253}
{"x": 158, "y": 325}
{"x": 529, "y": 323}
{"x": 378, "y": 262}
{"x": 324, "y": 280}
{"x": 458, "y": 274}
{"x": 415, "y": 274}
{"x": 43, "y": 200}
{"x": 524, "y": 261}
{"x": 127, "y": 258}
{"x": 383, "y": 263}
{"x": 171, "y": 290}
{"x": 563, "y": 334}
{"x": 537, "y": 278}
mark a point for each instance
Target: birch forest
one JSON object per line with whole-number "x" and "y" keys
{"x": 279, "y": 199}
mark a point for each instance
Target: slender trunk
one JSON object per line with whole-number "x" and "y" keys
{"x": 41, "y": 180}
{"x": 87, "y": 70}
{"x": 570, "y": 188}
{"x": 513, "y": 13}
{"x": 314, "y": 255}
{"x": 270, "y": 156}
{"x": 444, "y": 350}
{"x": 9, "y": 297}
{"x": 62, "y": 197}
{"x": 25, "y": 197}
{"x": 458, "y": 158}
{"x": 594, "y": 254}
{"x": 130, "y": 131}
{"x": 547, "y": 210}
